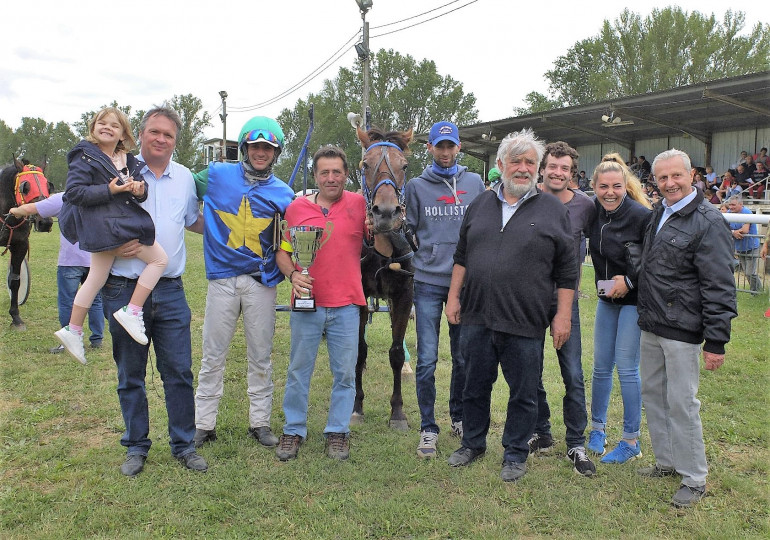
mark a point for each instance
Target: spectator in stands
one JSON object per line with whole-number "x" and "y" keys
{"x": 584, "y": 183}
{"x": 644, "y": 168}
{"x": 713, "y": 195}
{"x": 741, "y": 159}
{"x": 729, "y": 186}
{"x": 750, "y": 165}
{"x": 746, "y": 243}
{"x": 759, "y": 181}
{"x": 698, "y": 181}
{"x": 763, "y": 158}
{"x": 743, "y": 177}
{"x": 711, "y": 177}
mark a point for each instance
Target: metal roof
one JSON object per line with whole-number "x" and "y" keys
{"x": 697, "y": 110}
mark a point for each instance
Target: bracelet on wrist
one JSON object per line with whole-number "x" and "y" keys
{"x": 292, "y": 275}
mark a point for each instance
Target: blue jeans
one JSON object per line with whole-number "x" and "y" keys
{"x": 520, "y": 358}
{"x": 574, "y": 402}
{"x": 68, "y": 280}
{"x": 341, "y": 328}
{"x": 429, "y": 303}
{"x": 167, "y": 325}
{"x": 616, "y": 342}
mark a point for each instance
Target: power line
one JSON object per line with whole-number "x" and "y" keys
{"x": 341, "y": 52}
{"x": 426, "y": 20}
{"x": 415, "y": 16}
{"x": 312, "y": 75}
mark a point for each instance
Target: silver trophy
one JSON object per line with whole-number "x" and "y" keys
{"x": 305, "y": 241}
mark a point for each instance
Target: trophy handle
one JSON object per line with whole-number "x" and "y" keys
{"x": 328, "y": 230}
{"x": 284, "y": 228}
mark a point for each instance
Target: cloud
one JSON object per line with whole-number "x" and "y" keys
{"x": 27, "y": 54}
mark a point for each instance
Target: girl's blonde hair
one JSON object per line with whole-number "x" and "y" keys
{"x": 614, "y": 163}
{"x": 127, "y": 143}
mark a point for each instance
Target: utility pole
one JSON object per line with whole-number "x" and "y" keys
{"x": 223, "y": 116}
{"x": 363, "y": 54}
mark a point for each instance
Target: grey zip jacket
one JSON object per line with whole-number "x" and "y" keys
{"x": 435, "y": 207}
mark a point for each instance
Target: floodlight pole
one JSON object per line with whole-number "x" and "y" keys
{"x": 364, "y": 6}
{"x": 223, "y": 116}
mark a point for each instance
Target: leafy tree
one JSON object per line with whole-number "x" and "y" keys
{"x": 536, "y": 102}
{"x": 404, "y": 94}
{"x": 189, "y": 141}
{"x": 666, "y": 49}
{"x": 81, "y": 126}
{"x": 7, "y": 143}
{"x": 37, "y": 140}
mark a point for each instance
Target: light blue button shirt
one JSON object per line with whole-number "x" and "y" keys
{"x": 510, "y": 209}
{"x": 173, "y": 205}
{"x": 676, "y": 207}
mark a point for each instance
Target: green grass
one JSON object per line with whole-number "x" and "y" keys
{"x": 60, "y": 426}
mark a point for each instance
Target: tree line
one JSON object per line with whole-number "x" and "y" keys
{"x": 39, "y": 141}
{"x": 631, "y": 55}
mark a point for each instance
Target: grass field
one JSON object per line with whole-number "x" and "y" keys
{"x": 60, "y": 426}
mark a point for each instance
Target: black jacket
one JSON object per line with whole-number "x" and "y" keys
{"x": 93, "y": 216}
{"x": 609, "y": 233}
{"x": 686, "y": 284}
{"x": 512, "y": 271}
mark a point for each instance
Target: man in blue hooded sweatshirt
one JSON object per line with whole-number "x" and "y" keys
{"x": 435, "y": 205}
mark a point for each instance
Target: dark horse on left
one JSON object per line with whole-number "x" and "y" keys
{"x": 19, "y": 183}
{"x": 386, "y": 263}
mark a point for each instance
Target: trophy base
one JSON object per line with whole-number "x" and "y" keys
{"x": 303, "y": 304}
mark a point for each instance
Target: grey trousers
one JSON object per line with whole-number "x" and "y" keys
{"x": 670, "y": 375}
{"x": 225, "y": 301}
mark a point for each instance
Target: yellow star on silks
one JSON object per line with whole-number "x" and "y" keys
{"x": 244, "y": 228}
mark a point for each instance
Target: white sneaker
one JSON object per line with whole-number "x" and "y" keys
{"x": 134, "y": 324}
{"x": 427, "y": 447}
{"x": 73, "y": 343}
{"x": 457, "y": 429}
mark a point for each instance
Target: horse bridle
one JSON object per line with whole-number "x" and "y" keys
{"x": 370, "y": 194}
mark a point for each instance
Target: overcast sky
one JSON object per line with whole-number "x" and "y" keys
{"x": 61, "y": 59}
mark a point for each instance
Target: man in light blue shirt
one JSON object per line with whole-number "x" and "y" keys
{"x": 173, "y": 205}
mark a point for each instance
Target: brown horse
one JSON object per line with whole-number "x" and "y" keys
{"x": 19, "y": 183}
{"x": 386, "y": 264}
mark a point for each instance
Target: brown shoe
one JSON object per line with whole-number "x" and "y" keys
{"x": 338, "y": 446}
{"x": 288, "y": 447}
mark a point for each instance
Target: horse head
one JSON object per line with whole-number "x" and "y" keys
{"x": 31, "y": 186}
{"x": 383, "y": 176}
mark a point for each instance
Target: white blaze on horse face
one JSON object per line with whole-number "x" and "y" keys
{"x": 330, "y": 175}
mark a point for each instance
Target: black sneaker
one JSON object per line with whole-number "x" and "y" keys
{"x": 582, "y": 465}
{"x": 687, "y": 496}
{"x": 193, "y": 461}
{"x": 264, "y": 435}
{"x": 540, "y": 443}
{"x": 465, "y": 456}
{"x": 512, "y": 471}
{"x": 202, "y": 436}
{"x": 656, "y": 471}
{"x": 133, "y": 465}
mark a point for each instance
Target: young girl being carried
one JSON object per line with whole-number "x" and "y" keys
{"x": 101, "y": 211}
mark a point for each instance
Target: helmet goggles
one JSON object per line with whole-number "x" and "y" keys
{"x": 261, "y": 135}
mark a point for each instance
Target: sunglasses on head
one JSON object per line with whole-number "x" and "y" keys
{"x": 255, "y": 134}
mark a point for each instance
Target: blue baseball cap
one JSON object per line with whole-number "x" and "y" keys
{"x": 444, "y": 131}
